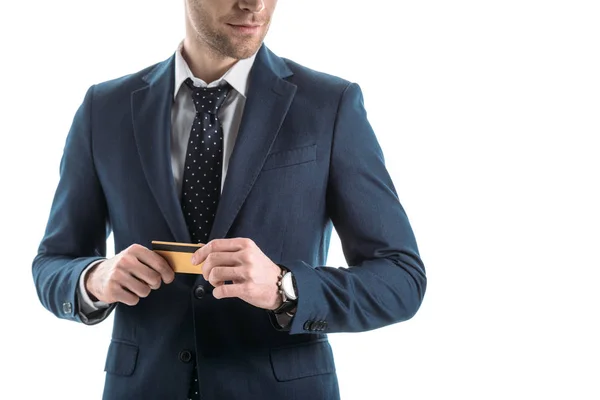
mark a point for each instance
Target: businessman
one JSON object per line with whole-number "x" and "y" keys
{"x": 256, "y": 157}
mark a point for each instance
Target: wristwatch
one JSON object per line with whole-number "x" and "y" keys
{"x": 288, "y": 286}
{"x": 287, "y": 289}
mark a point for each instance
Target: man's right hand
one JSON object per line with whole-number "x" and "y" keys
{"x": 131, "y": 274}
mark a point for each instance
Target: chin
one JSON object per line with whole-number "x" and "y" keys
{"x": 247, "y": 53}
{"x": 240, "y": 51}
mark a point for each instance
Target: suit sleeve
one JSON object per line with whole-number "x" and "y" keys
{"x": 77, "y": 227}
{"x": 385, "y": 280}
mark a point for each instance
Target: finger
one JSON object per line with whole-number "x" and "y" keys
{"x": 219, "y": 275}
{"x": 156, "y": 262}
{"x": 218, "y": 260}
{"x": 134, "y": 285}
{"x": 146, "y": 275}
{"x": 234, "y": 290}
{"x": 126, "y": 297}
{"x": 220, "y": 246}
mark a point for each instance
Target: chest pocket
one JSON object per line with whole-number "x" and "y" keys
{"x": 287, "y": 158}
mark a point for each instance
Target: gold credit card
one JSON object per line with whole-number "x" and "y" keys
{"x": 178, "y": 255}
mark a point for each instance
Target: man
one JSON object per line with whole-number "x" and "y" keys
{"x": 257, "y": 165}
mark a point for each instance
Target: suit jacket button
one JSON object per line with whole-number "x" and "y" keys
{"x": 199, "y": 292}
{"x": 67, "y": 308}
{"x": 308, "y": 325}
{"x": 185, "y": 356}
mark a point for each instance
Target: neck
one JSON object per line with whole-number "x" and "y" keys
{"x": 204, "y": 62}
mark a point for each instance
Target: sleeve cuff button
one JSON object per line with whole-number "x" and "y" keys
{"x": 67, "y": 307}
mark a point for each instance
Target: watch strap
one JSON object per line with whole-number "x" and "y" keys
{"x": 285, "y": 306}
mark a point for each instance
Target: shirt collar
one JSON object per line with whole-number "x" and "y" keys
{"x": 237, "y": 76}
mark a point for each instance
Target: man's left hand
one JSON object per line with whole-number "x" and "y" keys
{"x": 240, "y": 261}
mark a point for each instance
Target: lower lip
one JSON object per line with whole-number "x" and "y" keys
{"x": 247, "y": 30}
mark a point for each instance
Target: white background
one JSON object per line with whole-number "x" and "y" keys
{"x": 488, "y": 114}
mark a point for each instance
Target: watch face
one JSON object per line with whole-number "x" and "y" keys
{"x": 288, "y": 286}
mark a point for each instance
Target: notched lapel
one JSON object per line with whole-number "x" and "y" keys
{"x": 151, "y": 111}
{"x": 269, "y": 98}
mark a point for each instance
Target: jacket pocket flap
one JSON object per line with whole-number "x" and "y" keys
{"x": 289, "y": 157}
{"x": 121, "y": 358}
{"x": 303, "y": 360}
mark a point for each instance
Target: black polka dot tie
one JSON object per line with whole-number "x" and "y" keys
{"x": 194, "y": 387}
{"x": 202, "y": 172}
{"x": 203, "y": 167}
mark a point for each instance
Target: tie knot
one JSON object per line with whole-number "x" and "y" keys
{"x": 208, "y": 100}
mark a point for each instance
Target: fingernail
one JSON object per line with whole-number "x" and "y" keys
{"x": 194, "y": 260}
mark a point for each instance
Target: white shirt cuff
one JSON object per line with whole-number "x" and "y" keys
{"x": 86, "y": 305}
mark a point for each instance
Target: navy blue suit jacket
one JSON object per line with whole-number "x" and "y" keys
{"x": 306, "y": 159}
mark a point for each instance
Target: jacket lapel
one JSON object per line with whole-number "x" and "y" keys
{"x": 268, "y": 100}
{"x": 151, "y": 111}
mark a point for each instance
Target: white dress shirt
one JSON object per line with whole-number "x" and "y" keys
{"x": 183, "y": 113}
